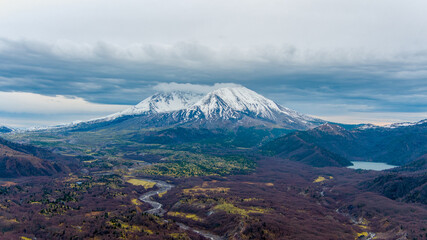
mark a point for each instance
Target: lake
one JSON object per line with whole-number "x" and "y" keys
{"x": 376, "y": 166}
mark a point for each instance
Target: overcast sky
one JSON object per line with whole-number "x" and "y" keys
{"x": 342, "y": 60}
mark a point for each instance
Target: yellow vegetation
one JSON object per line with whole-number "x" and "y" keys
{"x": 90, "y": 161}
{"x": 230, "y": 208}
{"x": 364, "y": 221}
{"x": 251, "y": 199}
{"x": 362, "y": 234}
{"x": 364, "y": 224}
{"x": 259, "y": 184}
{"x": 129, "y": 228}
{"x": 136, "y": 228}
{"x": 203, "y": 191}
{"x": 161, "y": 194}
{"x": 139, "y": 182}
{"x": 179, "y": 236}
{"x": 25, "y": 238}
{"x": 321, "y": 179}
{"x": 12, "y": 220}
{"x": 185, "y": 215}
{"x": 136, "y": 202}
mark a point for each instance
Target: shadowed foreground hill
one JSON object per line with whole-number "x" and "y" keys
{"x": 295, "y": 148}
{"x": 401, "y": 187}
{"x": 24, "y": 160}
{"x": 406, "y": 184}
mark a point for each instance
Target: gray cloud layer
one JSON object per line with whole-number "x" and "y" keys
{"x": 106, "y": 73}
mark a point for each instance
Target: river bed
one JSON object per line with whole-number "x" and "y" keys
{"x": 157, "y": 209}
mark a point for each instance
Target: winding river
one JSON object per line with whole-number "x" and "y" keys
{"x": 157, "y": 209}
{"x": 162, "y": 187}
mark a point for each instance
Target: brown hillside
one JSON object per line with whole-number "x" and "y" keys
{"x": 15, "y": 162}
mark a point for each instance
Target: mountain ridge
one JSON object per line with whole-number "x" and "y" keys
{"x": 4, "y": 129}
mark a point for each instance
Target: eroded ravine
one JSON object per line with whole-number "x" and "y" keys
{"x": 157, "y": 209}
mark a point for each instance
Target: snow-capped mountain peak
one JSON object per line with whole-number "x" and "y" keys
{"x": 159, "y": 103}
{"x": 224, "y": 101}
{"x": 232, "y": 102}
{"x": 166, "y": 102}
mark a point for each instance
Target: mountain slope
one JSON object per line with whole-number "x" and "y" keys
{"x": 241, "y": 106}
{"x": 406, "y": 187}
{"x": 159, "y": 103}
{"x": 418, "y": 165}
{"x": 295, "y": 148}
{"x": 225, "y": 102}
{"x": 24, "y": 160}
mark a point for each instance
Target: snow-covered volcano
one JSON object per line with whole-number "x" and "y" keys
{"x": 229, "y": 103}
{"x": 225, "y": 107}
{"x": 242, "y": 106}
{"x": 158, "y": 103}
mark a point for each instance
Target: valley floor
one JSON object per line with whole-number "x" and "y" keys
{"x": 280, "y": 200}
